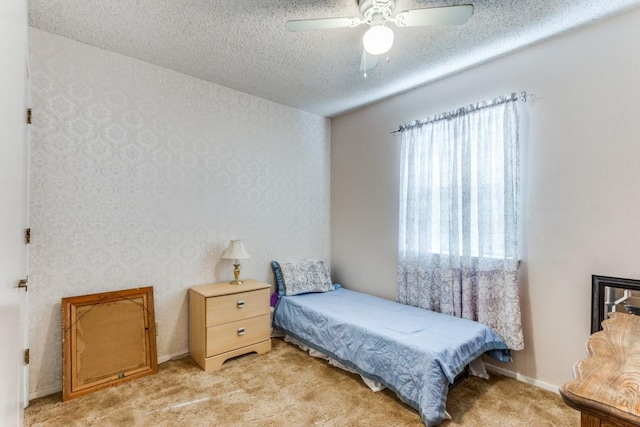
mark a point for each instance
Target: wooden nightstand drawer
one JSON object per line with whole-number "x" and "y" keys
{"x": 243, "y": 305}
{"x": 233, "y": 335}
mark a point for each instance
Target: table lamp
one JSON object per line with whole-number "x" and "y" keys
{"x": 235, "y": 251}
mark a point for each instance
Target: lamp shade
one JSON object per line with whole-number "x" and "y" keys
{"x": 378, "y": 39}
{"x": 235, "y": 250}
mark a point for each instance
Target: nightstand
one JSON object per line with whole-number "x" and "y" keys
{"x": 227, "y": 320}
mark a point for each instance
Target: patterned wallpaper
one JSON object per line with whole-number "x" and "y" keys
{"x": 140, "y": 176}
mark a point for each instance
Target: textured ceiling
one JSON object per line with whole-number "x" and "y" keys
{"x": 243, "y": 44}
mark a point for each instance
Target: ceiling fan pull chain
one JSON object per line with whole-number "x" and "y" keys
{"x": 365, "y": 65}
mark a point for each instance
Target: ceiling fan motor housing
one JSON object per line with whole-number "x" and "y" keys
{"x": 376, "y": 11}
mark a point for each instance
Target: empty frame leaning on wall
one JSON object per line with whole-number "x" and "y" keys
{"x": 107, "y": 338}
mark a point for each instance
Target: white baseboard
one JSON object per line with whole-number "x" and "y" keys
{"x": 168, "y": 357}
{"x": 56, "y": 389}
{"x": 520, "y": 377}
{"x": 44, "y": 392}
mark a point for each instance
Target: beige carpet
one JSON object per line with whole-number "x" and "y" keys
{"x": 287, "y": 387}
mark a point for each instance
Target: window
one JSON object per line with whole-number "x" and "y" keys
{"x": 458, "y": 215}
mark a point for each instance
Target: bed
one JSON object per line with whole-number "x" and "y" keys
{"x": 415, "y": 352}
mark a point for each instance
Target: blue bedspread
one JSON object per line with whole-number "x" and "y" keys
{"x": 413, "y": 351}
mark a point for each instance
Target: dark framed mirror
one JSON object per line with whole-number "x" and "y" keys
{"x": 609, "y": 294}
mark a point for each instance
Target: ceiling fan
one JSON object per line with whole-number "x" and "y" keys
{"x": 377, "y": 13}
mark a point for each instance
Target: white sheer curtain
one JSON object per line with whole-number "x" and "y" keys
{"x": 458, "y": 224}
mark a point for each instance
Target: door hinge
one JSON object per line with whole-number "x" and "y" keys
{"x": 27, "y": 236}
{"x": 26, "y": 357}
{"x": 23, "y": 283}
{"x": 28, "y": 116}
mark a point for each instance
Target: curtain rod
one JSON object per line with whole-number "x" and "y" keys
{"x": 524, "y": 96}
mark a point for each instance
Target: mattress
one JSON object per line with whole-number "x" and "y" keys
{"x": 415, "y": 352}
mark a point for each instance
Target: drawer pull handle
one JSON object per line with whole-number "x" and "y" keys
{"x": 240, "y": 303}
{"x": 240, "y": 331}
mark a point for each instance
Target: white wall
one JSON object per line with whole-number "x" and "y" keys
{"x": 581, "y": 181}
{"x": 141, "y": 176}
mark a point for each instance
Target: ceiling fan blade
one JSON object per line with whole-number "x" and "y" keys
{"x": 368, "y": 61}
{"x": 447, "y": 15}
{"x": 322, "y": 24}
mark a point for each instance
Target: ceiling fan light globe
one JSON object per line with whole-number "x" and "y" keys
{"x": 378, "y": 39}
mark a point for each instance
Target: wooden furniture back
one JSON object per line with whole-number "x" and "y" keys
{"x": 606, "y": 389}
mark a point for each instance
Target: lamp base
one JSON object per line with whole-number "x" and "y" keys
{"x": 236, "y": 274}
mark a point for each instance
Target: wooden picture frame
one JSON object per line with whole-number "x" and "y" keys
{"x": 107, "y": 338}
{"x": 609, "y": 292}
